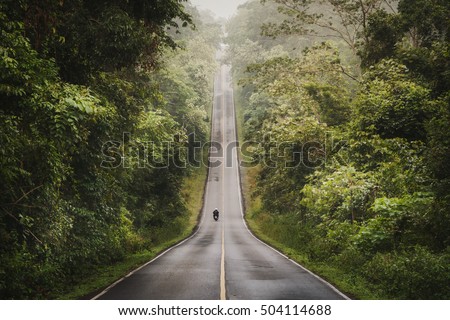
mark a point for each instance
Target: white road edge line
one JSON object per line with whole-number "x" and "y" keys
{"x": 156, "y": 258}
{"x": 148, "y": 263}
{"x": 201, "y": 222}
{"x": 202, "y": 218}
{"x": 248, "y": 229}
{"x": 223, "y": 287}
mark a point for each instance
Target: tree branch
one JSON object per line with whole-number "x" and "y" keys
{"x": 27, "y": 193}
{"x": 20, "y": 223}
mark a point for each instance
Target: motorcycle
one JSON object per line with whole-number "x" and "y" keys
{"x": 216, "y": 215}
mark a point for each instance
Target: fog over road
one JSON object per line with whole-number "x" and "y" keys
{"x": 223, "y": 9}
{"x": 223, "y": 260}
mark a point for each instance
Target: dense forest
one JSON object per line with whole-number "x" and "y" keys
{"x": 348, "y": 107}
{"x": 344, "y": 121}
{"x": 101, "y": 106}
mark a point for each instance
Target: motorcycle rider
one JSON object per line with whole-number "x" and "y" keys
{"x": 216, "y": 214}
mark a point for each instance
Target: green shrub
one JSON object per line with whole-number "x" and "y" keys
{"x": 410, "y": 274}
{"x": 350, "y": 260}
{"x": 397, "y": 221}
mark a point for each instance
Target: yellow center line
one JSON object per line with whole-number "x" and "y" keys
{"x": 223, "y": 291}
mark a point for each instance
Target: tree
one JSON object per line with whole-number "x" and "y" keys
{"x": 384, "y": 31}
{"x": 392, "y": 105}
{"x": 82, "y": 103}
{"x": 374, "y": 202}
{"x": 90, "y": 36}
{"x": 318, "y": 76}
{"x": 345, "y": 20}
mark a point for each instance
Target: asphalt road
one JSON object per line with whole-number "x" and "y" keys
{"x": 223, "y": 260}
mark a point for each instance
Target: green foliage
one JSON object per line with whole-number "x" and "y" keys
{"x": 346, "y": 20}
{"x": 376, "y": 205}
{"x": 343, "y": 195}
{"x": 439, "y": 137}
{"x": 382, "y": 34}
{"x": 429, "y": 19}
{"x": 392, "y": 105}
{"x": 76, "y": 76}
{"x": 289, "y": 152}
{"x": 311, "y": 84}
{"x": 412, "y": 274}
{"x": 396, "y": 222}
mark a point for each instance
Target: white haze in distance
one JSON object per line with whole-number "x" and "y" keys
{"x": 221, "y": 8}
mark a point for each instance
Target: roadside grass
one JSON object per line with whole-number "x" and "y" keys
{"x": 102, "y": 277}
{"x": 105, "y": 276}
{"x": 284, "y": 236}
{"x": 192, "y": 192}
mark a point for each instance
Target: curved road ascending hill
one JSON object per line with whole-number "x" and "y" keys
{"x": 223, "y": 260}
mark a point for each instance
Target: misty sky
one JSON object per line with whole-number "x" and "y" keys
{"x": 222, "y": 8}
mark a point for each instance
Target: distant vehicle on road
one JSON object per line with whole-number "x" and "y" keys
{"x": 216, "y": 214}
